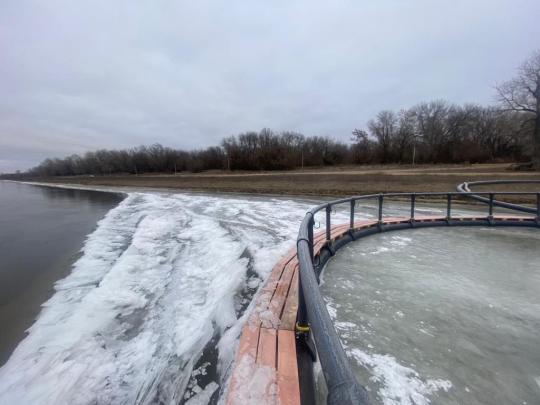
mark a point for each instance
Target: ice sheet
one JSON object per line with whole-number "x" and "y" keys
{"x": 157, "y": 281}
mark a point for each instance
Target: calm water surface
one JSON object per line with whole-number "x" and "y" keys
{"x": 42, "y": 230}
{"x": 441, "y": 315}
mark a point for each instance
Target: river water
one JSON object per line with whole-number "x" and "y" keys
{"x": 441, "y": 315}
{"x": 42, "y": 230}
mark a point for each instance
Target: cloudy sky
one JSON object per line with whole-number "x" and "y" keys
{"x": 82, "y": 75}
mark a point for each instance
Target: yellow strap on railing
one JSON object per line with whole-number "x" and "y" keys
{"x": 302, "y": 328}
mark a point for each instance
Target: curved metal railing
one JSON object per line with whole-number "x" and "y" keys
{"x": 343, "y": 387}
{"x": 464, "y": 188}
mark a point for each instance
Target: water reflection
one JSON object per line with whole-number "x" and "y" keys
{"x": 41, "y": 232}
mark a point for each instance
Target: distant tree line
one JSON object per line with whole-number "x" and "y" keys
{"x": 435, "y": 132}
{"x": 432, "y": 132}
{"x": 264, "y": 150}
{"x": 439, "y": 132}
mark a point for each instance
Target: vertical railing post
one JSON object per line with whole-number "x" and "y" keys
{"x": 448, "y": 207}
{"x": 538, "y": 208}
{"x": 328, "y": 224}
{"x": 310, "y": 238}
{"x": 490, "y": 215}
{"x": 351, "y": 224}
{"x": 381, "y": 197}
{"x": 413, "y": 203}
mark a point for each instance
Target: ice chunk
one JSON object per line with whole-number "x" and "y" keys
{"x": 400, "y": 385}
{"x": 203, "y": 396}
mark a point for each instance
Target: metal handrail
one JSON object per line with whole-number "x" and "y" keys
{"x": 464, "y": 188}
{"x": 343, "y": 387}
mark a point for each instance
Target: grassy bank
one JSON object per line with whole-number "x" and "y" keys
{"x": 342, "y": 181}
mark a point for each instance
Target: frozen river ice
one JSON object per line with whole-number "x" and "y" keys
{"x": 152, "y": 309}
{"x": 441, "y": 315}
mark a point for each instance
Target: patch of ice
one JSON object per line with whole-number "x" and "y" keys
{"x": 379, "y": 250}
{"x": 271, "y": 317}
{"x": 400, "y": 241}
{"x": 399, "y": 385}
{"x": 425, "y": 332}
{"x": 204, "y": 395}
{"x": 258, "y": 383}
{"x": 331, "y": 308}
{"x": 344, "y": 325}
{"x": 429, "y": 210}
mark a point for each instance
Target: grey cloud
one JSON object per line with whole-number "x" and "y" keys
{"x": 81, "y": 75}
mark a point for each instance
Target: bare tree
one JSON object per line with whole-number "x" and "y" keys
{"x": 405, "y": 136}
{"x": 362, "y": 147}
{"x": 383, "y": 128}
{"x": 522, "y": 94}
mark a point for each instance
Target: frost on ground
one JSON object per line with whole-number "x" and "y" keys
{"x": 161, "y": 279}
{"x": 258, "y": 383}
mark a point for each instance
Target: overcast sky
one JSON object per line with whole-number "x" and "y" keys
{"x": 82, "y": 75}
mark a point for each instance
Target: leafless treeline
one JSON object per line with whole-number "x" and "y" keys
{"x": 438, "y": 132}
{"x": 264, "y": 150}
{"x": 435, "y": 132}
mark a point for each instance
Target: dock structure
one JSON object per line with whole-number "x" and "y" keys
{"x": 266, "y": 367}
{"x": 286, "y": 309}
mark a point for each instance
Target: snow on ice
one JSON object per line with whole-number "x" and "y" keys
{"x": 156, "y": 282}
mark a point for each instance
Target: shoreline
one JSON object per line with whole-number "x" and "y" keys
{"x": 67, "y": 216}
{"x": 134, "y": 189}
{"x": 311, "y": 183}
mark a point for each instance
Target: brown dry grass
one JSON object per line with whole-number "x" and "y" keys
{"x": 341, "y": 181}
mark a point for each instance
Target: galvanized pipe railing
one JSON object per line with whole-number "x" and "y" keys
{"x": 343, "y": 387}
{"x": 465, "y": 189}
